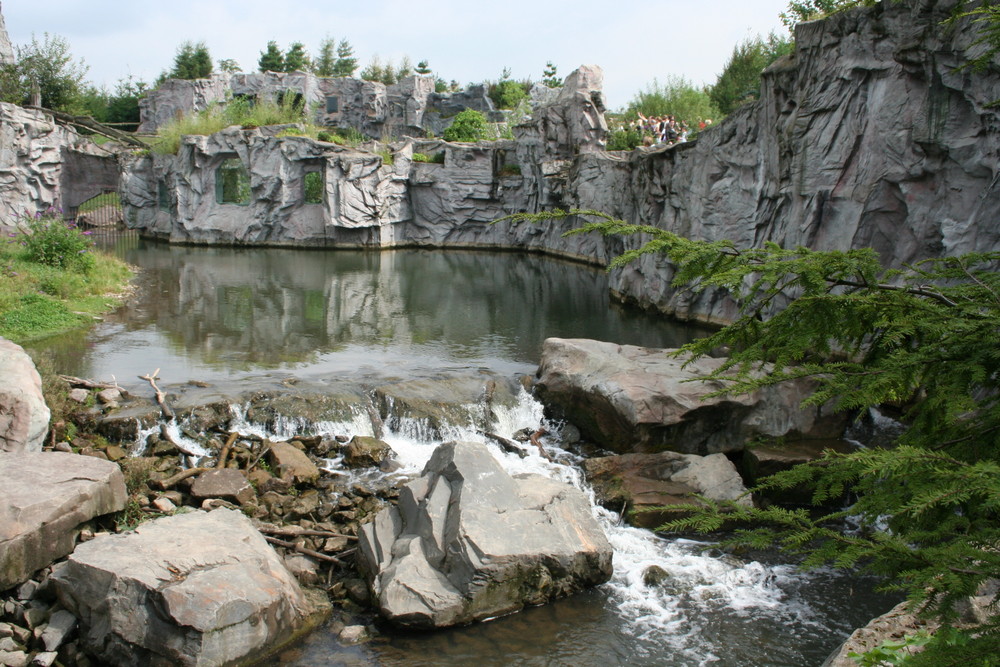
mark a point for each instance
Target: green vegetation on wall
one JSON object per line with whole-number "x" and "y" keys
{"x": 468, "y": 125}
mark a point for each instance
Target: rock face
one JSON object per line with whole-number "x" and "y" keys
{"x": 468, "y": 542}
{"x": 190, "y": 589}
{"x": 408, "y": 107}
{"x": 636, "y": 483}
{"x": 6, "y": 49}
{"x": 635, "y": 399}
{"x": 24, "y": 416}
{"x": 44, "y": 165}
{"x": 44, "y": 498}
{"x": 870, "y": 134}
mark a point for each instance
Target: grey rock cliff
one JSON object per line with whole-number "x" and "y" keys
{"x": 869, "y": 135}
{"x": 6, "y": 48}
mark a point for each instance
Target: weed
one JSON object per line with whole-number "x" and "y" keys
{"x": 53, "y": 242}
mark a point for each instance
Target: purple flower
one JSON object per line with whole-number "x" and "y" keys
{"x": 88, "y": 232}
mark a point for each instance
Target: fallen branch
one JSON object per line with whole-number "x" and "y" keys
{"x": 537, "y": 442}
{"x": 221, "y": 463}
{"x": 296, "y": 532}
{"x": 302, "y": 550}
{"x": 265, "y": 448}
{"x": 160, "y": 399}
{"x": 89, "y": 384}
{"x": 165, "y": 434}
{"x": 165, "y": 484}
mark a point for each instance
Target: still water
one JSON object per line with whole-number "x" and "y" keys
{"x": 230, "y": 316}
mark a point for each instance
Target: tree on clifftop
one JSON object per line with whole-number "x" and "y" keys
{"x": 48, "y": 67}
{"x": 271, "y": 59}
{"x": 192, "y": 61}
{"x": 296, "y": 58}
{"x": 347, "y": 64}
{"x": 324, "y": 63}
{"x": 925, "y": 339}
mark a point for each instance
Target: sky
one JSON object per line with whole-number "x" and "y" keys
{"x": 463, "y": 40}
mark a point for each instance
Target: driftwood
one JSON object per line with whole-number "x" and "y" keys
{"x": 508, "y": 446}
{"x": 264, "y": 449}
{"x": 165, "y": 434}
{"x": 302, "y": 550}
{"x": 296, "y": 532}
{"x": 89, "y": 384}
{"x": 165, "y": 484}
{"x": 160, "y": 399}
{"x": 90, "y": 124}
{"x": 537, "y": 442}
{"x": 221, "y": 463}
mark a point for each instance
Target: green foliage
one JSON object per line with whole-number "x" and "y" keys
{"x": 326, "y": 61}
{"x": 52, "y": 241}
{"x": 923, "y": 338}
{"x": 296, "y": 58}
{"x": 388, "y": 73}
{"x": 240, "y": 111}
{"x": 891, "y": 651}
{"x": 271, "y": 59}
{"x": 810, "y": 10}
{"x": 437, "y": 158}
{"x": 193, "y": 61}
{"x": 949, "y": 647}
{"x": 623, "y": 139}
{"x": 677, "y": 96}
{"x": 229, "y": 66}
{"x": 423, "y": 68}
{"x": 740, "y": 79}
{"x": 986, "y": 17}
{"x": 346, "y": 62}
{"x": 49, "y": 66}
{"x": 549, "y": 77}
{"x": 507, "y": 93}
{"x": 468, "y": 125}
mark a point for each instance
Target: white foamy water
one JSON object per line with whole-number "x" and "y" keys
{"x": 670, "y": 613}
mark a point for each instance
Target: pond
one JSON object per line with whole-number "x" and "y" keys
{"x": 230, "y": 316}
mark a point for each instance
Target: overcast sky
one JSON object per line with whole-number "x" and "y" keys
{"x": 634, "y": 42}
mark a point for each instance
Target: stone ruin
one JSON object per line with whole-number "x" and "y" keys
{"x": 409, "y": 107}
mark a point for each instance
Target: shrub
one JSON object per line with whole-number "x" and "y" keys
{"x": 507, "y": 93}
{"x": 624, "y": 139}
{"x": 437, "y": 158}
{"x": 469, "y": 125}
{"x": 54, "y": 242}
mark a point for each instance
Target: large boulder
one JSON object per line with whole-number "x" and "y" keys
{"x": 202, "y": 588}
{"x": 468, "y": 542}
{"x": 638, "y": 399}
{"x": 639, "y": 483}
{"x": 24, "y": 416}
{"x": 44, "y": 497}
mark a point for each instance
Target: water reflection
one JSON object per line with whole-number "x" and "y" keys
{"x": 213, "y": 313}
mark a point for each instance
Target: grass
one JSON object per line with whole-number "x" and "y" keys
{"x": 94, "y": 203}
{"x": 37, "y": 300}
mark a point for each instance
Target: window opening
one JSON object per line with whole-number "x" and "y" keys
{"x": 232, "y": 183}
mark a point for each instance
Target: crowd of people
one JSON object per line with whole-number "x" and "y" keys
{"x": 663, "y": 130}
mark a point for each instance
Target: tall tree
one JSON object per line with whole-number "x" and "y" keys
{"x": 296, "y": 58}
{"x": 192, "y": 61}
{"x": 549, "y": 77}
{"x": 326, "y": 62}
{"x": 740, "y": 79}
{"x": 229, "y": 66}
{"x": 347, "y": 64}
{"x": 271, "y": 59}
{"x": 47, "y": 67}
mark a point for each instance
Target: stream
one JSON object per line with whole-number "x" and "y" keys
{"x": 236, "y": 317}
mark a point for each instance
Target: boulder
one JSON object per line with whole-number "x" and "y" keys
{"x": 761, "y": 461}
{"x": 44, "y": 498}
{"x": 24, "y": 416}
{"x": 291, "y": 464}
{"x": 635, "y": 483}
{"x": 638, "y": 399}
{"x": 225, "y": 483}
{"x": 468, "y": 542}
{"x": 201, "y": 588}
{"x": 364, "y": 451}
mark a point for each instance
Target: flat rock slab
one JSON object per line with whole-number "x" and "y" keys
{"x": 637, "y": 483}
{"x": 44, "y": 497}
{"x": 200, "y": 588}
{"x": 226, "y": 483}
{"x": 637, "y": 399}
{"x": 468, "y": 542}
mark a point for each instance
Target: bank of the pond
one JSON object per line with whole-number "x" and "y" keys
{"x": 38, "y": 301}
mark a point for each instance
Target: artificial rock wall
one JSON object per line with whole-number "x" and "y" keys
{"x": 870, "y": 134}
